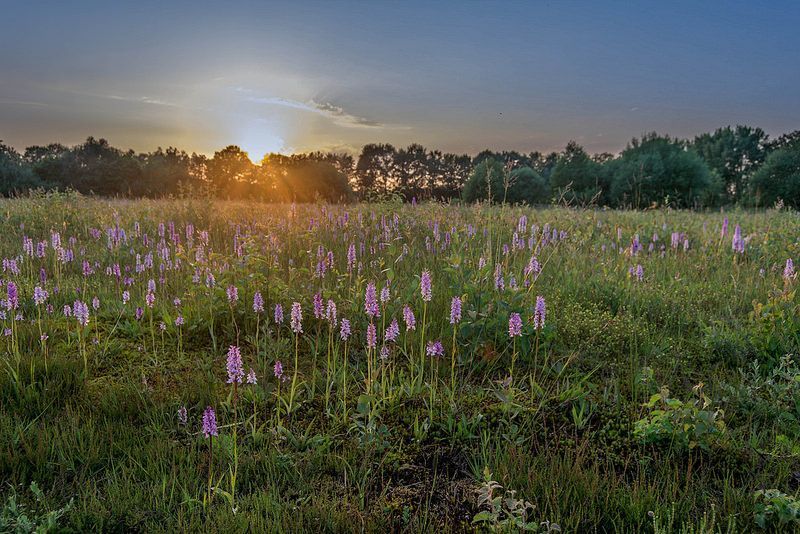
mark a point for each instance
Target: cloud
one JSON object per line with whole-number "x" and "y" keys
{"x": 143, "y": 100}
{"x": 335, "y": 113}
{"x": 22, "y": 102}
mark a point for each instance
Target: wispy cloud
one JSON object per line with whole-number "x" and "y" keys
{"x": 143, "y": 100}
{"x": 335, "y": 113}
{"x": 22, "y": 102}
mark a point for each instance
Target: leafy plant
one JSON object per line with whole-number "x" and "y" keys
{"x": 775, "y": 509}
{"x": 504, "y": 512}
{"x": 684, "y": 424}
{"x": 19, "y": 518}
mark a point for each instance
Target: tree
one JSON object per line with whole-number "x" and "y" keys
{"x": 659, "y": 170}
{"x": 784, "y": 141}
{"x": 578, "y": 178}
{"x": 164, "y": 172}
{"x": 448, "y": 175}
{"x": 491, "y": 180}
{"x": 311, "y": 180}
{"x": 529, "y": 187}
{"x": 15, "y": 175}
{"x": 733, "y": 154}
{"x": 376, "y": 170}
{"x": 230, "y": 171}
{"x": 778, "y": 178}
{"x": 302, "y": 178}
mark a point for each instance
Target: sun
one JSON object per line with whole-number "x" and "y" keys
{"x": 258, "y": 141}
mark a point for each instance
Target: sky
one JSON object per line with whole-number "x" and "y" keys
{"x": 457, "y": 76}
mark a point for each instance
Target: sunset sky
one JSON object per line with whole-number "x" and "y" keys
{"x": 458, "y": 76}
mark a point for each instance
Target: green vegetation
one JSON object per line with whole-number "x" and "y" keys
{"x": 654, "y": 388}
{"x": 737, "y": 166}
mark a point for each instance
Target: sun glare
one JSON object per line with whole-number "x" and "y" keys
{"x": 259, "y": 142}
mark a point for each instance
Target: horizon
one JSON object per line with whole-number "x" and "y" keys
{"x": 336, "y": 76}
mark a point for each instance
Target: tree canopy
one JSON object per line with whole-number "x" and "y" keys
{"x": 732, "y": 165}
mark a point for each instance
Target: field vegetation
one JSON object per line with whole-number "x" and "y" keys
{"x": 203, "y": 365}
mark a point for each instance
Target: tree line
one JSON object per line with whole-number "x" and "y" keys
{"x": 737, "y": 165}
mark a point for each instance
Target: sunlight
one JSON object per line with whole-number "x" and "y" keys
{"x": 259, "y": 141}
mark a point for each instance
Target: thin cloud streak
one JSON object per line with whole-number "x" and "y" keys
{"x": 331, "y": 111}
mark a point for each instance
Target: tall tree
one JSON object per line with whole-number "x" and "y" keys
{"x": 733, "y": 154}
{"x": 577, "y": 178}
{"x": 376, "y": 170}
{"x": 229, "y": 170}
{"x": 15, "y": 175}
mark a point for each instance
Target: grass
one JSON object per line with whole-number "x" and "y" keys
{"x": 574, "y": 434}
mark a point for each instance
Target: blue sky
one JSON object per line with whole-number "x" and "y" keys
{"x": 459, "y": 76}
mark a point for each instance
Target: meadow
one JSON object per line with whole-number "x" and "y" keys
{"x": 197, "y": 365}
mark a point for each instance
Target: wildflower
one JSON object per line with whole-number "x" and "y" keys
{"x": 385, "y": 294}
{"x": 251, "y": 377}
{"x": 330, "y": 313}
{"x": 162, "y": 326}
{"x": 392, "y": 331}
{"x": 372, "y": 336}
{"x": 210, "y": 423}
{"x": 183, "y": 417}
{"x": 539, "y": 313}
{"x": 139, "y": 313}
{"x": 81, "y": 312}
{"x": 533, "y": 268}
{"x": 234, "y": 365}
{"x": 233, "y": 294}
{"x": 384, "y": 354}
{"x": 738, "y": 240}
{"x": 351, "y": 257}
{"x": 67, "y": 310}
{"x": 425, "y": 286}
{"x": 639, "y": 273}
{"x": 258, "y": 302}
{"x": 297, "y": 318}
{"x": 455, "y": 310}
{"x": 12, "y": 300}
{"x": 434, "y": 348}
{"x": 318, "y": 313}
{"x": 499, "y": 282}
{"x": 39, "y": 295}
{"x": 278, "y": 314}
{"x": 277, "y": 370}
{"x": 150, "y": 299}
{"x": 514, "y": 325}
{"x": 371, "y": 301}
{"x": 126, "y": 296}
{"x": 95, "y": 303}
{"x": 179, "y": 320}
{"x": 344, "y": 332}
{"x": 408, "y": 317}
{"x": 788, "y": 271}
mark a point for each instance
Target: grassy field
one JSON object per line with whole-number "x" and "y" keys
{"x": 654, "y": 387}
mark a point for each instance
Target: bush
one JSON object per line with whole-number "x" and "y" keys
{"x": 778, "y": 179}
{"x": 659, "y": 171}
